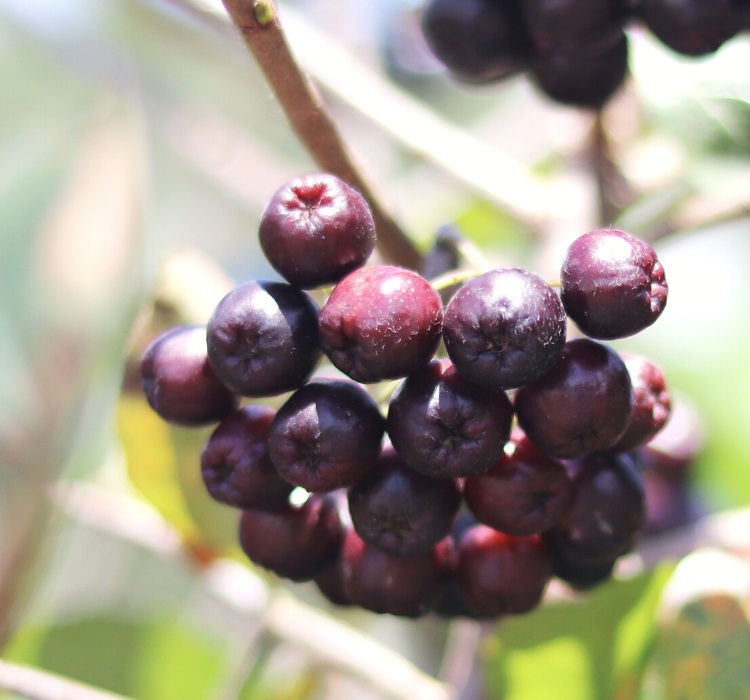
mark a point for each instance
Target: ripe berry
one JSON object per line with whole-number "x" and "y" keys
{"x": 477, "y": 40}
{"x": 612, "y": 284}
{"x": 525, "y": 492}
{"x": 693, "y": 27}
{"x": 607, "y": 511}
{"x": 326, "y": 436}
{"x": 381, "y": 322}
{"x": 178, "y": 380}
{"x": 399, "y": 511}
{"x": 236, "y": 466}
{"x": 578, "y": 572}
{"x": 263, "y": 338}
{"x": 504, "y": 328}
{"x": 578, "y": 26}
{"x": 581, "y": 79}
{"x": 583, "y": 404}
{"x": 651, "y": 403}
{"x": 443, "y": 426}
{"x": 316, "y": 229}
{"x": 500, "y": 574}
{"x": 383, "y": 583}
{"x": 296, "y": 542}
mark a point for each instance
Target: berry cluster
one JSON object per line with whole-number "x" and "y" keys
{"x": 576, "y": 51}
{"x": 496, "y": 464}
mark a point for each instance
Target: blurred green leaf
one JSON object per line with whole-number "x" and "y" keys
{"x": 702, "y": 654}
{"x": 582, "y": 650}
{"x": 163, "y": 463}
{"x": 154, "y": 660}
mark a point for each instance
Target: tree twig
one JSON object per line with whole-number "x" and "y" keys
{"x": 259, "y": 24}
{"x": 280, "y": 614}
{"x": 41, "y": 685}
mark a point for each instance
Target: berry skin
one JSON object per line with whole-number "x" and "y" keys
{"x": 326, "y": 436}
{"x": 316, "y": 229}
{"x": 236, "y": 466}
{"x": 500, "y": 574}
{"x": 585, "y": 80}
{"x": 477, "y": 40}
{"x": 583, "y": 404}
{"x": 263, "y": 338}
{"x": 178, "y": 380}
{"x": 578, "y": 572}
{"x": 407, "y": 586}
{"x": 297, "y": 542}
{"x": 381, "y": 322}
{"x": 693, "y": 27}
{"x": 504, "y": 328}
{"x": 443, "y": 426}
{"x": 578, "y": 26}
{"x": 524, "y": 493}
{"x": 612, "y": 284}
{"x": 651, "y": 403}
{"x": 399, "y": 511}
{"x": 607, "y": 511}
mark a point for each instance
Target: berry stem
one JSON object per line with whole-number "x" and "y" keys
{"x": 260, "y": 27}
{"x": 614, "y": 192}
{"x": 450, "y": 279}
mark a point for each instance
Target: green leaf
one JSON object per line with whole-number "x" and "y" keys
{"x": 585, "y": 649}
{"x": 159, "y": 660}
{"x": 702, "y": 653}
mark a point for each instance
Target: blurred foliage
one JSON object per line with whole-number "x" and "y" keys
{"x": 128, "y": 134}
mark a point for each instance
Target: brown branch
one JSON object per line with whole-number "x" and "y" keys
{"x": 40, "y": 685}
{"x": 258, "y": 22}
{"x": 331, "y": 642}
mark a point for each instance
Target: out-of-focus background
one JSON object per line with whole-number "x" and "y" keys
{"x": 138, "y": 145}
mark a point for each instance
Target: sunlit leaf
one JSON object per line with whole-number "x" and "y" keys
{"x": 580, "y": 650}
{"x": 702, "y": 654}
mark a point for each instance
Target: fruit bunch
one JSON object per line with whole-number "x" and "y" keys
{"x": 576, "y": 51}
{"x": 502, "y": 452}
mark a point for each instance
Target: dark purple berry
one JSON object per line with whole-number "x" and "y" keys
{"x": 607, "y": 511}
{"x": 263, "y": 338}
{"x": 316, "y": 229}
{"x": 504, "y": 328}
{"x": 578, "y": 572}
{"x": 399, "y": 511}
{"x": 296, "y": 542}
{"x": 501, "y": 574}
{"x": 585, "y": 80}
{"x": 383, "y": 583}
{"x": 612, "y": 284}
{"x": 326, "y": 436}
{"x": 443, "y": 426}
{"x": 693, "y": 27}
{"x": 651, "y": 403}
{"x": 524, "y": 493}
{"x": 178, "y": 381}
{"x": 381, "y": 322}
{"x": 578, "y": 26}
{"x": 477, "y": 40}
{"x": 583, "y": 404}
{"x": 330, "y": 583}
{"x": 236, "y": 466}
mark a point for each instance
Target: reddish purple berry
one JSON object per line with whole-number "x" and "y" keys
{"x": 612, "y": 284}
{"x": 381, "y": 322}
{"x": 315, "y": 230}
{"x": 583, "y": 404}
{"x": 178, "y": 380}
